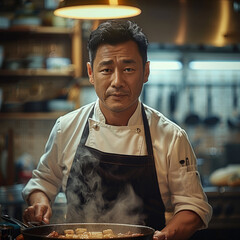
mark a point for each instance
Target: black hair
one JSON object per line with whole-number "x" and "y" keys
{"x": 114, "y": 32}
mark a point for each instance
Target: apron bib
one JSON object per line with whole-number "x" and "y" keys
{"x": 105, "y": 187}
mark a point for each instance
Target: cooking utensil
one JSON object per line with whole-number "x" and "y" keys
{"x": 14, "y": 221}
{"x": 40, "y": 232}
{"x": 234, "y": 121}
{"x": 211, "y": 120}
{"x": 192, "y": 117}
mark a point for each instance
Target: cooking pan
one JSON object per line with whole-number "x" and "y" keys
{"x": 41, "y": 232}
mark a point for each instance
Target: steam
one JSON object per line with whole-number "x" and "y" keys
{"x": 122, "y": 210}
{"x": 86, "y": 202}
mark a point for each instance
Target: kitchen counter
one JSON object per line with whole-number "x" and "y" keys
{"x": 226, "y": 208}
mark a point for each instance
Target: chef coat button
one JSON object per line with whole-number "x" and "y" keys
{"x": 138, "y": 130}
{"x": 95, "y": 126}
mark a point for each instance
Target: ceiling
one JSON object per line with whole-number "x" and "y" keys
{"x": 207, "y": 22}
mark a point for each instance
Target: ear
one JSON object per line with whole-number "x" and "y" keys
{"x": 146, "y": 71}
{"x": 90, "y": 73}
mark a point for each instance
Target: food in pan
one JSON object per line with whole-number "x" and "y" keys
{"x": 83, "y": 233}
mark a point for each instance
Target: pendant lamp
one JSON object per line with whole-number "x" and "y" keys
{"x": 97, "y": 9}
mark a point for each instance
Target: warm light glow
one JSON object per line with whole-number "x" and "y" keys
{"x": 223, "y": 23}
{"x": 215, "y": 65}
{"x": 97, "y": 11}
{"x": 181, "y": 35}
{"x": 165, "y": 65}
{"x": 113, "y": 2}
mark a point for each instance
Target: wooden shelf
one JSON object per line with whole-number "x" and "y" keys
{"x": 38, "y": 30}
{"x": 31, "y": 116}
{"x": 37, "y": 72}
{"x": 69, "y": 42}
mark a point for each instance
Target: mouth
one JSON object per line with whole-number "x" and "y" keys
{"x": 118, "y": 97}
{"x": 117, "y": 94}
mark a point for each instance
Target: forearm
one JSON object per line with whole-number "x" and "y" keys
{"x": 38, "y": 197}
{"x": 182, "y": 226}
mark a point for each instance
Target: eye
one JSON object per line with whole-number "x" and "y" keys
{"x": 129, "y": 69}
{"x": 105, "y": 70}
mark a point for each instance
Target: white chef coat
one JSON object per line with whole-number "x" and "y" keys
{"x": 179, "y": 184}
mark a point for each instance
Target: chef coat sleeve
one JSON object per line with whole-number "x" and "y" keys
{"x": 184, "y": 180}
{"x": 48, "y": 175}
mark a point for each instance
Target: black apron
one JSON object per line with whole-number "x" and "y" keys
{"x": 106, "y": 187}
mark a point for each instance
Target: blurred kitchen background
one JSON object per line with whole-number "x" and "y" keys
{"x": 195, "y": 81}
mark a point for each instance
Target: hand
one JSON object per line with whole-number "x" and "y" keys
{"x": 39, "y": 208}
{"x": 37, "y": 213}
{"x": 158, "y": 235}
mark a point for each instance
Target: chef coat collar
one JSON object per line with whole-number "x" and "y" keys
{"x": 135, "y": 119}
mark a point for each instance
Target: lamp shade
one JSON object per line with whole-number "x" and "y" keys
{"x": 97, "y": 9}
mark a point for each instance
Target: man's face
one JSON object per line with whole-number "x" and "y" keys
{"x": 118, "y": 76}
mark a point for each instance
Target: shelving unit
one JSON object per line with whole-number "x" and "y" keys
{"x": 31, "y": 116}
{"x": 38, "y": 30}
{"x": 36, "y": 72}
{"x": 21, "y": 41}
{"x": 72, "y": 35}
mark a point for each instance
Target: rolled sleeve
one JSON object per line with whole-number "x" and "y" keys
{"x": 200, "y": 207}
{"x": 184, "y": 180}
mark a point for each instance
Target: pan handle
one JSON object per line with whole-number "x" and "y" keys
{"x": 14, "y": 221}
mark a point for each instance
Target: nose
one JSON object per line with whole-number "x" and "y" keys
{"x": 118, "y": 79}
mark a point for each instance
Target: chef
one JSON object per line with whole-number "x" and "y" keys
{"x": 117, "y": 159}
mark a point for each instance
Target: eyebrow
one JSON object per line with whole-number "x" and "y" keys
{"x": 109, "y": 62}
{"x": 104, "y": 63}
{"x": 128, "y": 61}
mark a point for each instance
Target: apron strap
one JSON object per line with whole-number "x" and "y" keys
{"x": 86, "y": 128}
{"x": 147, "y": 133}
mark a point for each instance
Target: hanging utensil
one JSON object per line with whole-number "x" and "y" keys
{"x": 234, "y": 121}
{"x": 211, "y": 120}
{"x": 192, "y": 118}
{"x": 172, "y": 105}
{"x": 159, "y": 98}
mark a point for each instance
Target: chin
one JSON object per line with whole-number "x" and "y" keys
{"x": 117, "y": 105}
{"x": 120, "y": 107}
{"x": 117, "y": 108}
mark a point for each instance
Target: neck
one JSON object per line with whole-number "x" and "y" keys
{"x": 118, "y": 118}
